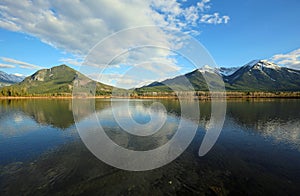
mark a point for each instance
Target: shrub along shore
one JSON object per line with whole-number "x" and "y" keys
{"x": 168, "y": 95}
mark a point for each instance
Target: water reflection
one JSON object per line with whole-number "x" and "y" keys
{"x": 57, "y": 113}
{"x": 278, "y": 119}
{"x": 31, "y": 127}
{"x": 125, "y": 133}
{"x": 258, "y": 151}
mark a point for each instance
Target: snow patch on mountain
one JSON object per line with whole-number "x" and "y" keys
{"x": 251, "y": 64}
{"x": 227, "y": 71}
{"x": 292, "y": 71}
{"x": 269, "y": 65}
{"x": 261, "y": 64}
{"x": 222, "y": 71}
{"x": 9, "y": 78}
{"x": 209, "y": 69}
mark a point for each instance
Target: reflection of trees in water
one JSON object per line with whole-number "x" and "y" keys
{"x": 53, "y": 112}
{"x": 252, "y": 113}
{"x": 278, "y": 118}
{"x": 229, "y": 169}
{"x": 274, "y": 118}
{"x": 57, "y": 113}
{"x": 287, "y": 132}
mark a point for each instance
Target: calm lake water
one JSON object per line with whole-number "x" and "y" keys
{"x": 257, "y": 153}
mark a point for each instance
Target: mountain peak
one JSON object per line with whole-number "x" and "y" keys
{"x": 260, "y": 64}
{"x": 61, "y": 66}
{"x": 251, "y": 64}
{"x": 58, "y": 80}
{"x": 268, "y": 64}
{"x": 62, "y": 72}
{"x": 207, "y": 68}
{"x": 8, "y": 79}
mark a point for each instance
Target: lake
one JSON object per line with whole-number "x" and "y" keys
{"x": 41, "y": 151}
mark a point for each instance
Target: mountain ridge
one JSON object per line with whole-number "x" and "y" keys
{"x": 261, "y": 75}
{"x": 56, "y": 81}
{"x": 257, "y": 75}
{"x": 9, "y": 79}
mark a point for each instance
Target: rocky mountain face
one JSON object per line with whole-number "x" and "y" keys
{"x": 57, "y": 80}
{"x": 8, "y": 79}
{"x": 261, "y": 75}
{"x": 257, "y": 75}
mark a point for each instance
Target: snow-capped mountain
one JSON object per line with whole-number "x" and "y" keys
{"x": 222, "y": 71}
{"x": 260, "y": 64}
{"x": 7, "y": 79}
{"x": 227, "y": 71}
{"x": 264, "y": 75}
{"x": 257, "y": 75}
{"x": 208, "y": 69}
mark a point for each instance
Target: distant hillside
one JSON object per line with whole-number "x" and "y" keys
{"x": 179, "y": 83}
{"x": 261, "y": 75}
{"x": 56, "y": 81}
{"x": 9, "y": 79}
{"x": 258, "y": 75}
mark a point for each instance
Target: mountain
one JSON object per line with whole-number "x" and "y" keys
{"x": 56, "y": 113}
{"x": 57, "y": 80}
{"x": 258, "y": 75}
{"x": 8, "y": 79}
{"x": 227, "y": 71}
{"x": 261, "y": 75}
{"x": 179, "y": 83}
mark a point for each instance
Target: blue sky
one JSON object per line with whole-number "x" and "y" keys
{"x": 42, "y": 34}
{"x": 257, "y": 30}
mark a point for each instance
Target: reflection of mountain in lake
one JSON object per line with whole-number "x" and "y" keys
{"x": 242, "y": 160}
{"x": 252, "y": 112}
{"x": 287, "y": 132}
{"x": 136, "y": 119}
{"x": 55, "y": 112}
{"x": 277, "y": 119}
{"x": 272, "y": 118}
{"x": 15, "y": 124}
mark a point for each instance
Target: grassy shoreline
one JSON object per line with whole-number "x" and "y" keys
{"x": 53, "y": 97}
{"x": 200, "y": 95}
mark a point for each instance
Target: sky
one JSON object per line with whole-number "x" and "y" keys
{"x": 87, "y": 35}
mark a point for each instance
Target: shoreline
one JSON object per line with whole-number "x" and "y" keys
{"x": 201, "y": 95}
{"x": 54, "y": 97}
{"x": 157, "y": 97}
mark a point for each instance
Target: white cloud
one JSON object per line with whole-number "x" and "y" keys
{"x": 21, "y": 64}
{"x": 72, "y": 61}
{"x": 9, "y": 25}
{"x": 214, "y": 19}
{"x": 187, "y": 18}
{"x": 136, "y": 76}
{"x": 291, "y": 60}
{"x": 19, "y": 74}
{"x": 203, "y": 5}
{"x": 77, "y": 26}
{"x": 122, "y": 81}
{"x": 3, "y": 65}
